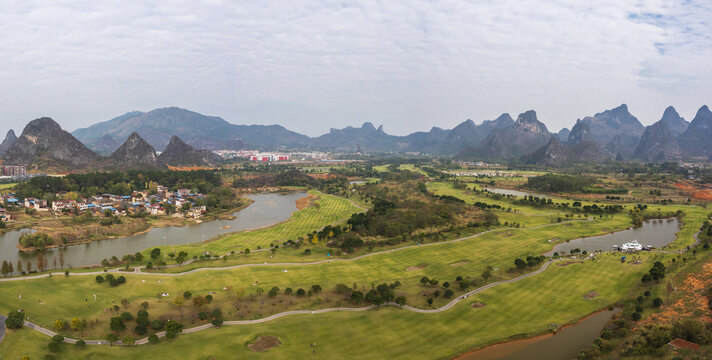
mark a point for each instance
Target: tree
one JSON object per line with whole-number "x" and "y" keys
{"x": 155, "y": 253}
{"x": 187, "y": 294}
{"x": 199, "y": 300}
{"x": 520, "y": 264}
{"x": 247, "y": 251}
{"x": 400, "y": 300}
{"x": 273, "y": 291}
{"x": 449, "y": 293}
{"x": 78, "y": 325}
{"x": 117, "y": 325}
{"x": 657, "y": 272}
{"x": 5, "y": 270}
{"x": 80, "y": 344}
{"x": 178, "y": 301}
{"x": 209, "y": 298}
{"x": 15, "y": 320}
{"x": 126, "y": 316}
{"x": 128, "y": 341}
{"x": 464, "y": 284}
{"x": 316, "y": 289}
{"x": 173, "y": 328}
{"x": 112, "y": 338}
{"x": 156, "y": 324}
{"x": 636, "y": 316}
{"x": 487, "y": 272}
{"x": 138, "y": 257}
{"x": 181, "y": 257}
{"x": 54, "y": 346}
{"x": 153, "y": 339}
{"x": 217, "y": 322}
{"x": 357, "y": 296}
{"x": 125, "y": 303}
{"x": 301, "y": 292}
{"x": 59, "y": 325}
{"x": 657, "y": 302}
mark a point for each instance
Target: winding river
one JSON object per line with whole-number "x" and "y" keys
{"x": 267, "y": 209}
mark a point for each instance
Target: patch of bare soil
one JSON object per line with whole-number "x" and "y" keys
{"x": 416, "y": 268}
{"x": 590, "y": 295}
{"x": 460, "y": 263}
{"x": 554, "y": 240}
{"x": 570, "y": 262}
{"x": 264, "y": 343}
{"x": 636, "y": 262}
{"x": 477, "y": 304}
{"x": 306, "y": 201}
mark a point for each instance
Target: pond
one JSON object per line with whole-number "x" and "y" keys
{"x": 565, "y": 345}
{"x": 656, "y": 233}
{"x": 267, "y": 209}
{"x": 517, "y": 193}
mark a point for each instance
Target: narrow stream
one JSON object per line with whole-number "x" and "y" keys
{"x": 267, "y": 209}
{"x": 565, "y": 345}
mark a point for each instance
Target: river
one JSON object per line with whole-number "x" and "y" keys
{"x": 656, "y": 233}
{"x": 565, "y": 345}
{"x": 267, "y": 209}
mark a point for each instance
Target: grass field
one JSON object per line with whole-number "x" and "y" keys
{"x": 512, "y": 310}
{"x": 328, "y": 210}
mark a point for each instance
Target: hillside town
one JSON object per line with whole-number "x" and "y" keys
{"x": 181, "y": 202}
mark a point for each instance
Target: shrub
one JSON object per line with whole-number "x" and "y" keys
{"x": 99, "y": 279}
{"x": 153, "y": 339}
{"x": 636, "y": 316}
{"x": 187, "y": 295}
{"x": 54, "y": 346}
{"x": 80, "y": 344}
{"x": 156, "y": 324}
{"x": 203, "y": 316}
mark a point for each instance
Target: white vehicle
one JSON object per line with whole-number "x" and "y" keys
{"x": 632, "y": 246}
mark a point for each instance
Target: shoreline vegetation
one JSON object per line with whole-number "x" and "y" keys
{"x": 148, "y": 225}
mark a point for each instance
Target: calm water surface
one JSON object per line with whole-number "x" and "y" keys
{"x": 656, "y": 233}
{"x": 266, "y": 210}
{"x": 565, "y": 345}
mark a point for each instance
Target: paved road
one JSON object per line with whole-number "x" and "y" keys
{"x": 2, "y": 327}
{"x": 447, "y": 306}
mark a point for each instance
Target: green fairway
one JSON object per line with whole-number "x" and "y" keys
{"x": 521, "y": 308}
{"x": 512, "y": 310}
{"x": 328, "y": 209}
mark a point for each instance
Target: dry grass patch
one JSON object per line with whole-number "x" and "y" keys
{"x": 590, "y": 295}
{"x": 416, "y": 268}
{"x": 460, "y": 263}
{"x": 477, "y": 305}
{"x": 264, "y": 343}
{"x": 570, "y": 262}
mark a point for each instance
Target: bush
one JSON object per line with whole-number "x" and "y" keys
{"x": 217, "y": 322}
{"x": 209, "y": 298}
{"x": 15, "y": 320}
{"x": 301, "y": 292}
{"x": 99, "y": 279}
{"x": 109, "y": 277}
{"x": 153, "y": 339}
{"x": 58, "y": 338}
{"x": 54, "y": 346}
{"x": 140, "y": 329}
{"x": 80, "y": 344}
{"x": 657, "y": 302}
{"x": 114, "y": 282}
{"x": 636, "y": 316}
{"x": 126, "y": 316}
{"x": 187, "y": 295}
{"x": 203, "y": 316}
{"x": 156, "y": 324}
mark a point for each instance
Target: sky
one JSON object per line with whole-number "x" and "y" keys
{"x": 312, "y": 65}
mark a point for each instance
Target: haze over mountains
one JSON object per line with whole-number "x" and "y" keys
{"x": 133, "y": 138}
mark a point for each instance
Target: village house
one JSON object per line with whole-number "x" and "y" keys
{"x": 59, "y": 205}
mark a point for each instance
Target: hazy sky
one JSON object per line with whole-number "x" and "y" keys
{"x": 313, "y": 65}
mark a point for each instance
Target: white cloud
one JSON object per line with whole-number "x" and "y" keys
{"x": 312, "y": 65}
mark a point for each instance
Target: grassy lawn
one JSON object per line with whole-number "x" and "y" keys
{"x": 512, "y": 310}
{"x": 328, "y": 210}
{"x": 516, "y": 309}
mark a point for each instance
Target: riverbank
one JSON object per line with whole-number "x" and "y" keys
{"x": 136, "y": 226}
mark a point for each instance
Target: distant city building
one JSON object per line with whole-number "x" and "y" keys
{"x": 14, "y": 170}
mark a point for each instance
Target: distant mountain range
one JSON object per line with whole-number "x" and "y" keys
{"x": 610, "y": 134}
{"x": 44, "y": 143}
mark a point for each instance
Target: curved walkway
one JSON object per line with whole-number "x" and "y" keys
{"x": 445, "y": 307}
{"x": 2, "y": 327}
{"x": 138, "y": 269}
